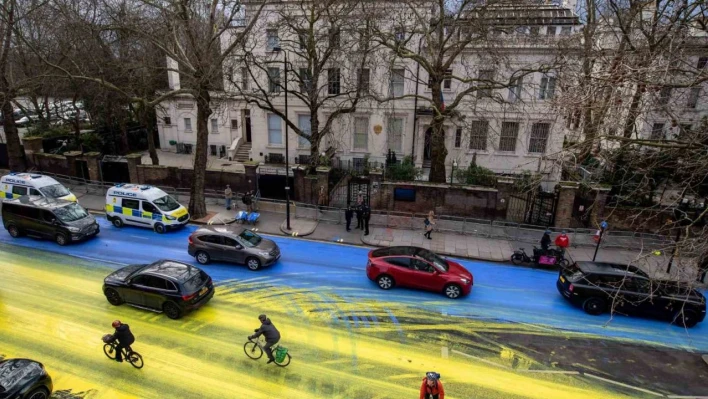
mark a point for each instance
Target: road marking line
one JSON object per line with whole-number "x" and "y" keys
{"x": 537, "y": 326}
{"x": 623, "y": 385}
{"x": 140, "y": 238}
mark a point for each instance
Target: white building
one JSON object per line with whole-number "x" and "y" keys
{"x": 518, "y": 131}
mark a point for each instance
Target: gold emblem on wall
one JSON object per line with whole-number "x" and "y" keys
{"x": 378, "y": 129}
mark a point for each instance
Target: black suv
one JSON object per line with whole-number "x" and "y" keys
{"x": 166, "y": 285}
{"x": 599, "y": 287}
{"x": 54, "y": 219}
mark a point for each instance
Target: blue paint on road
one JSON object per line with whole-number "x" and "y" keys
{"x": 504, "y": 293}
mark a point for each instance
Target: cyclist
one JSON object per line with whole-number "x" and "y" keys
{"x": 124, "y": 337}
{"x": 271, "y": 334}
{"x": 432, "y": 387}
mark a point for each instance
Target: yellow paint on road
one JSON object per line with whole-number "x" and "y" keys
{"x": 52, "y": 310}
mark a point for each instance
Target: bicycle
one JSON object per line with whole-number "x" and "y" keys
{"x": 132, "y": 357}
{"x": 254, "y": 350}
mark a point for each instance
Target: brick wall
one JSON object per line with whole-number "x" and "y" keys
{"x": 52, "y": 163}
{"x": 170, "y": 176}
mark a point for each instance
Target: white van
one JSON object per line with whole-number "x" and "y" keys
{"x": 16, "y": 185}
{"x": 141, "y": 205}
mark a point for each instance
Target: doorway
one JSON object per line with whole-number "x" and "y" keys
{"x": 247, "y": 123}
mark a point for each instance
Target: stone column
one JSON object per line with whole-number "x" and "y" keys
{"x": 251, "y": 176}
{"x": 566, "y": 199}
{"x": 94, "y": 166}
{"x": 598, "y": 207}
{"x": 322, "y": 181}
{"x": 32, "y": 145}
{"x": 298, "y": 189}
{"x": 71, "y": 158}
{"x": 375, "y": 180}
{"x": 133, "y": 161}
{"x": 504, "y": 189}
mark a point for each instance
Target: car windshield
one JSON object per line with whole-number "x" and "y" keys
{"x": 196, "y": 282}
{"x": 166, "y": 203}
{"x": 250, "y": 238}
{"x": 438, "y": 261}
{"x": 54, "y": 191}
{"x": 70, "y": 213}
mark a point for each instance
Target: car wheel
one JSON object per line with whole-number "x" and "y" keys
{"x": 39, "y": 393}
{"x": 14, "y": 231}
{"x": 113, "y": 297}
{"x": 452, "y": 291}
{"x": 172, "y": 310}
{"x": 686, "y": 318}
{"x": 159, "y": 228}
{"x": 594, "y": 306}
{"x": 61, "y": 239}
{"x": 202, "y": 257}
{"x": 517, "y": 259}
{"x": 118, "y": 222}
{"x": 253, "y": 263}
{"x": 385, "y": 282}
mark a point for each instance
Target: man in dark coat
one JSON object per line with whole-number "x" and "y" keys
{"x": 348, "y": 214}
{"x": 271, "y": 334}
{"x": 124, "y": 337}
{"x": 366, "y": 216}
{"x": 359, "y": 220}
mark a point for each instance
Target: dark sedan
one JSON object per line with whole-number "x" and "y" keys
{"x": 24, "y": 379}
{"x": 420, "y": 268}
{"x": 164, "y": 286}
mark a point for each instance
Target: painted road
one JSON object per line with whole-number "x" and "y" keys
{"x": 511, "y": 295}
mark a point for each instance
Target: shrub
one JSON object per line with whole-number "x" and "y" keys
{"x": 405, "y": 171}
{"x": 477, "y": 176}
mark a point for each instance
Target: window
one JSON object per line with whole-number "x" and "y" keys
{"x": 275, "y": 136}
{"x": 395, "y": 86}
{"x": 693, "y": 97}
{"x": 702, "y": 62}
{"x": 548, "y": 88}
{"x": 210, "y": 239}
{"x": 229, "y": 242}
{"x": 302, "y": 39}
{"x": 234, "y": 124}
{"x": 214, "y": 126}
{"x": 447, "y": 80}
{"x": 17, "y": 190}
{"x": 395, "y": 134}
{"x": 188, "y": 124}
{"x": 148, "y": 207}
{"x": 130, "y": 203}
{"x": 364, "y": 79}
{"x": 399, "y": 35}
{"x": 508, "y": 137}
{"x": 361, "y": 133}
{"x": 515, "y": 89}
{"x": 458, "y": 138}
{"x": 335, "y": 37}
{"x": 534, "y": 31}
{"x": 333, "y": 80}
{"x": 478, "y": 135}
{"x": 539, "y": 137}
{"x": 272, "y": 40}
{"x": 401, "y": 262}
{"x": 566, "y": 30}
{"x": 274, "y": 80}
{"x": 657, "y": 131}
{"x": 551, "y": 31}
{"x": 305, "y": 80}
{"x": 245, "y": 83}
{"x": 34, "y": 192}
{"x": 421, "y": 266}
{"x": 167, "y": 120}
{"x": 48, "y": 216}
{"x": 664, "y": 95}
{"x": 303, "y": 122}
{"x": 485, "y": 77}
{"x": 157, "y": 283}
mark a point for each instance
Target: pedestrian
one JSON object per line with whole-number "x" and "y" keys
{"x": 429, "y": 222}
{"x": 359, "y": 220}
{"x": 432, "y": 387}
{"x": 366, "y": 216}
{"x": 322, "y": 199}
{"x": 360, "y": 198}
{"x": 247, "y": 201}
{"x": 228, "y": 196}
{"x": 348, "y": 214}
{"x": 546, "y": 241}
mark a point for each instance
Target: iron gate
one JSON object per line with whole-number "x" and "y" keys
{"x": 114, "y": 169}
{"x": 533, "y": 208}
{"x": 358, "y": 185}
{"x": 272, "y": 182}
{"x": 582, "y": 206}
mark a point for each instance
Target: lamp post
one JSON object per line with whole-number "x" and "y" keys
{"x": 603, "y": 227}
{"x": 452, "y": 173}
{"x": 287, "y": 155}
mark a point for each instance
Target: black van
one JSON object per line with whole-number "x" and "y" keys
{"x": 55, "y": 219}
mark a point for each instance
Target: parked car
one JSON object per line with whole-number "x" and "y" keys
{"x": 232, "y": 243}
{"x": 415, "y": 267}
{"x": 599, "y": 287}
{"x": 165, "y": 286}
{"x": 54, "y": 219}
{"x": 24, "y": 379}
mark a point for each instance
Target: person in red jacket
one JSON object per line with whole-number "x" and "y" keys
{"x": 432, "y": 387}
{"x": 562, "y": 240}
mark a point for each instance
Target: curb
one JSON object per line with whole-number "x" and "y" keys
{"x": 284, "y": 230}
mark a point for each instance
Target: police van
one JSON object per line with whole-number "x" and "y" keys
{"x": 16, "y": 185}
{"x": 147, "y": 206}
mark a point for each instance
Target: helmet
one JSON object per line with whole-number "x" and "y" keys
{"x": 262, "y": 317}
{"x": 116, "y": 323}
{"x": 433, "y": 376}
{"x": 548, "y": 231}
{"x": 563, "y": 232}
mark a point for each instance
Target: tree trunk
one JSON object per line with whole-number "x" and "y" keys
{"x": 438, "y": 152}
{"x": 634, "y": 111}
{"x": 315, "y": 138}
{"x": 197, "y": 205}
{"x": 16, "y": 156}
{"x": 146, "y": 119}
{"x": 124, "y": 145}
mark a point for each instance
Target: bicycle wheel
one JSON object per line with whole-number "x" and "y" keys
{"x": 285, "y": 361}
{"x": 135, "y": 360}
{"x": 252, "y": 350}
{"x": 110, "y": 351}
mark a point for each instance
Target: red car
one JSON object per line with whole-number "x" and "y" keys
{"x": 415, "y": 267}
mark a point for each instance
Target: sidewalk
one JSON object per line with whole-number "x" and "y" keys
{"x": 272, "y": 221}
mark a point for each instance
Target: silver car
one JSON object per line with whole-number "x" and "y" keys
{"x": 234, "y": 244}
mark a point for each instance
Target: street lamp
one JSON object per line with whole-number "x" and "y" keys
{"x": 452, "y": 173}
{"x": 287, "y": 155}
